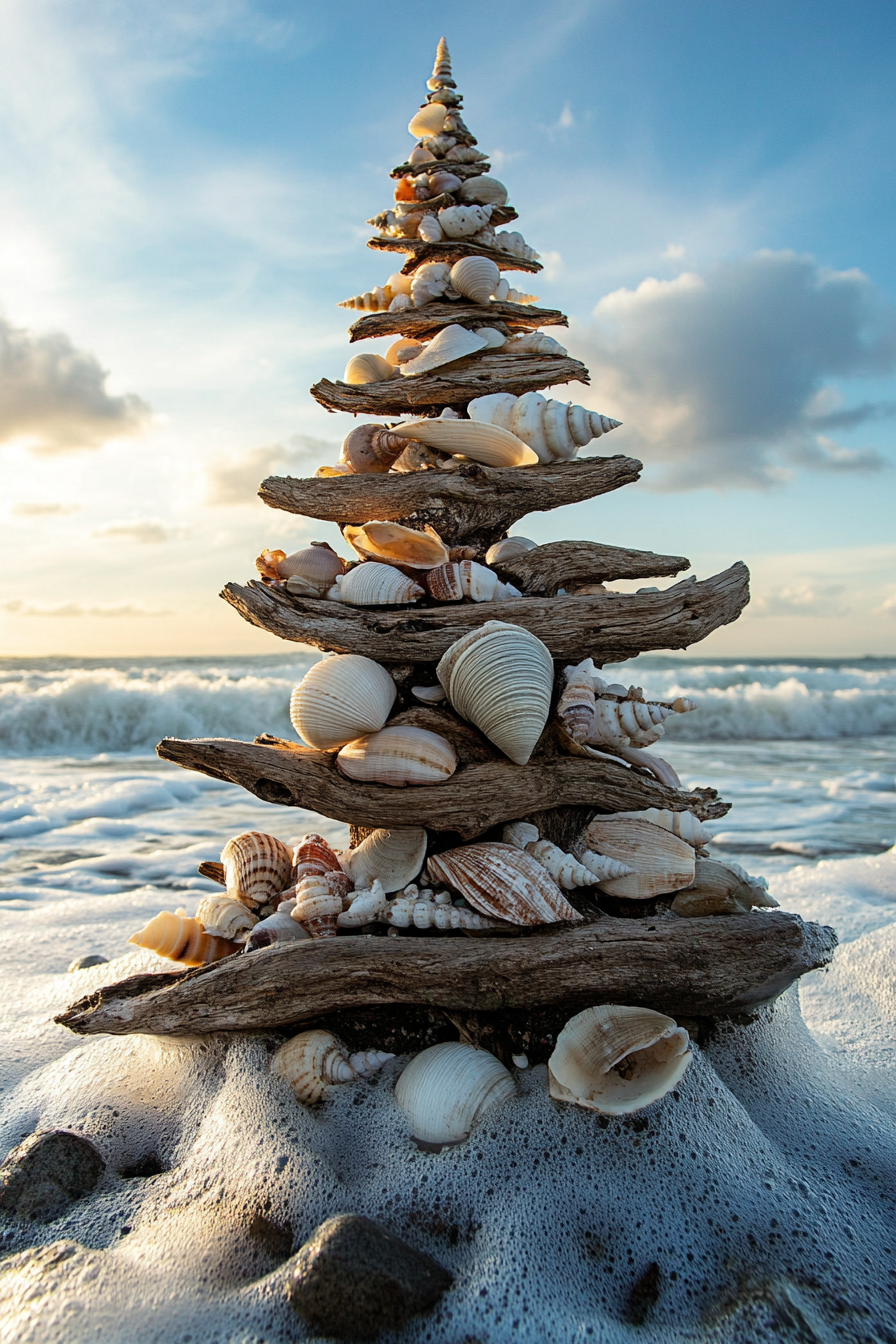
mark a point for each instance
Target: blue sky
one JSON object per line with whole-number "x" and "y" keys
{"x": 183, "y": 190}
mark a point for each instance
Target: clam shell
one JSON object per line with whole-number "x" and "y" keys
{"x": 500, "y": 677}
{"x": 395, "y": 857}
{"x": 368, "y": 369}
{"x": 445, "y": 1090}
{"x": 662, "y": 863}
{"x": 420, "y": 155}
{"x": 339, "y": 699}
{"x": 483, "y": 190}
{"x": 400, "y": 755}
{"x": 182, "y": 939}
{"x": 257, "y": 867}
{"x": 444, "y": 181}
{"x": 428, "y": 695}
{"x": 396, "y": 544}
{"x": 475, "y": 277}
{"x": 312, "y": 1062}
{"x": 376, "y": 585}
{"x": 428, "y": 121}
{"x": 488, "y": 444}
{"x": 503, "y": 881}
{"x": 453, "y": 342}
{"x": 617, "y": 1059}
{"x": 508, "y": 549}
{"x": 317, "y": 564}
{"x": 224, "y": 917}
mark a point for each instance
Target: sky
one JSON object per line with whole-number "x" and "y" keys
{"x": 183, "y": 195}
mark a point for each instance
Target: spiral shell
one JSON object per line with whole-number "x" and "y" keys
{"x": 224, "y": 917}
{"x": 508, "y": 549}
{"x": 447, "y": 1088}
{"x": 660, "y": 863}
{"x": 504, "y": 882}
{"x": 312, "y": 856}
{"x": 429, "y": 120}
{"x": 429, "y": 282}
{"x": 475, "y": 278}
{"x": 367, "y": 369}
{"x": 371, "y": 448}
{"x": 399, "y": 755}
{"x": 313, "y": 1061}
{"x": 576, "y": 706}
{"x": 534, "y": 343}
{"x": 462, "y": 221}
{"x": 375, "y": 585}
{"x": 365, "y": 907}
{"x": 466, "y": 578}
{"x": 566, "y": 870}
{"x": 394, "y": 856}
{"x": 441, "y": 71}
{"x": 721, "y": 888}
{"x": 453, "y": 342}
{"x": 316, "y": 907}
{"x": 627, "y": 723}
{"x": 257, "y": 867}
{"x": 500, "y": 677}
{"x": 339, "y": 699}
{"x": 601, "y": 867}
{"x": 374, "y": 300}
{"x": 553, "y": 429}
{"x": 279, "y": 927}
{"x": 617, "y": 1059}
{"x": 182, "y": 939}
{"x": 396, "y": 544}
{"x": 406, "y": 912}
{"x": 488, "y": 444}
{"x": 483, "y": 191}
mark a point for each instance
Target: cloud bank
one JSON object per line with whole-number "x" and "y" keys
{"x": 236, "y": 480}
{"x": 725, "y": 378}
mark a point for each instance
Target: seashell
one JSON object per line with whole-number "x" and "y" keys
{"x": 365, "y": 907}
{"x": 402, "y": 303}
{"x": 466, "y": 578}
{"x": 683, "y": 824}
{"x": 447, "y": 1088}
{"x": 500, "y": 677}
{"x": 483, "y": 191}
{"x": 374, "y": 300}
{"x": 465, "y": 154}
{"x": 661, "y": 863}
{"x": 313, "y": 856}
{"x": 429, "y": 229}
{"x": 279, "y": 927}
{"x": 429, "y": 282}
{"x": 493, "y": 338}
{"x": 182, "y": 939}
{"x": 419, "y": 154}
{"x": 367, "y": 369}
{"x": 315, "y": 1060}
{"x": 453, "y": 342}
{"x": 443, "y": 182}
{"x": 407, "y": 912}
{"x": 316, "y": 907}
{"x": 659, "y": 768}
{"x": 417, "y": 457}
{"x": 475, "y": 277}
{"x": 616, "y": 1059}
{"x": 489, "y": 444}
{"x": 576, "y": 706}
{"x": 554, "y": 430}
{"x": 370, "y": 448}
{"x": 224, "y": 917}
{"x": 376, "y": 585}
{"x": 439, "y": 145}
{"x": 397, "y": 756}
{"x": 534, "y": 343}
{"x": 721, "y": 889}
{"x": 428, "y": 695}
{"x": 508, "y": 549}
{"x": 502, "y": 881}
{"x": 394, "y": 856}
{"x": 325, "y": 471}
{"x": 627, "y": 723}
{"x": 403, "y": 350}
{"x": 429, "y": 120}
{"x": 340, "y": 698}
{"x": 519, "y": 834}
{"x": 395, "y": 544}
{"x": 516, "y": 245}
{"x": 505, "y": 293}
{"x": 462, "y": 221}
{"x": 441, "y": 71}
{"x": 564, "y": 868}
{"x": 256, "y": 867}
{"x": 268, "y": 565}
{"x": 317, "y": 566}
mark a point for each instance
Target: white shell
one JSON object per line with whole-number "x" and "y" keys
{"x": 429, "y": 282}
{"x": 505, "y": 293}
{"x": 279, "y": 927}
{"x": 566, "y": 870}
{"x": 462, "y": 221}
{"x": 534, "y": 343}
{"x": 519, "y": 833}
{"x": 395, "y": 544}
{"x": 339, "y": 699}
{"x": 500, "y": 677}
{"x": 503, "y": 881}
{"x": 660, "y": 862}
{"x": 445, "y": 1090}
{"x": 683, "y": 824}
{"x": 484, "y": 190}
{"x": 475, "y": 278}
{"x": 421, "y": 155}
{"x": 376, "y": 585}
{"x": 428, "y": 695}
{"x": 508, "y": 549}
{"x": 493, "y": 338}
{"x": 429, "y": 229}
{"x": 399, "y": 755}
{"x": 315, "y": 1060}
{"x": 627, "y": 723}
{"x": 453, "y": 342}
{"x": 488, "y": 444}
{"x": 365, "y": 907}
{"x": 367, "y": 369}
{"x": 555, "y": 430}
{"x": 599, "y": 865}
{"x": 394, "y": 856}
{"x": 516, "y": 245}
{"x": 429, "y": 120}
{"x": 407, "y": 912}
{"x": 318, "y": 566}
{"x": 226, "y": 917}
{"x": 617, "y": 1059}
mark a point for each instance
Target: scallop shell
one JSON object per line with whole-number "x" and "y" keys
{"x": 394, "y": 856}
{"x": 429, "y": 282}
{"x": 483, "y": 191}
{"x": 257, "y": 867}
{"x": 508, "y": 549}
{"x": 399, "y": 755}
{"x": 396, "y": 544}
{"x": 429, "y": 120}
{"x": 279, "y": 927}
{"x": 503, "y": 881}
{"x": 316, "y": 907}
{"x": 370, "y": 448}
{"x": 475, "y": 278}
{"x": 466, "y": 578}
{"x": 367, "y": 369}
{"x": 313, "y": 1061}
{"x": 445, "y": 1090}
{"x": 313, "y": 856}
{"x": 661, "y": 862}
{"x": 429, "y": 229}
{"x": 317, "y": 564}
{"x": 339, "y": 699}
{"x": 462, "y": 221}
{"x": 683, "y": 824}
{"x": 375, "y": 585}
{"x": 616, "y": 1059}
{"x": 500, "y": 677}
{"x": 224, "y": 917}
{"x": 182, "y": 939}
{"x": 453, "y": 342}
{"x": 488, "y": 444}
{"x": 553, "y": 429}
{"x": 721, "y": 889}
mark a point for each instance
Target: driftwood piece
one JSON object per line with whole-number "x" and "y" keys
{"x": 704, "y": 967}
{"x": 462, "y": 170}
{"x": 451, "y": 251}
{"x": 607, "y": 628}
{"x": 454, "y": 385}
{"x": 476, "y": 797}
{"x": 473, "y": 504}
{"x": 428, "y": 320}
{"x": 501, "y": 214}
{"x": 559, "y": 564}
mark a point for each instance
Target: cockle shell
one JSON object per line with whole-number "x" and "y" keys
{"x": 365, "y": 907}
{"x": 429, "y": 229}
{"x": 339, "y": 699}
{"x": 516, "y": 245}
{"x": 661, "y": 863}
{"x": 317, "y": 565}
{"x": 429, "y": 282}
{"x": 279, "y": 927}
{"x": 399, "y": 755}
{"x": 564, "y": 868}
{"x": 462, "y": 221}
{"x": 683, "y": 824}
{"x": 376, "y": 585}
{"x": 312, "y": 856}
{"x": 483, "y": 191}
{"x": 396, "y": 544}
{"x": 315, "y": 1060}
{"x": 488, "y": 444}
{"x": 394, "y": 856}
{"x": 502, "y": 881}
{"x": 429, "y": 120}
{"x": 466, "y": 578}
{"x": 367, "y": 369}
{"x": 370, "y": 448}
{"x": 534, "y": 343}
{"x": 508, "y": 549}
{"x": 555, "y": 430}
{"x": 617, "y": 1059}
{"x": 224, "y": 917}
{"x": 316, "y": 907}
{"x": 453, "y": 342}
{"x": 475, "y": 278}
{"x": 182, "y": 939}
{"x": 721, "y": 889}
{"x": 257, "y": 867}
{"x": 500, "y": 677}
{"x": 445, "y": 1090}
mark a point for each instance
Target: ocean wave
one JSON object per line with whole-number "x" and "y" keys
{"x": 786, "y": 709}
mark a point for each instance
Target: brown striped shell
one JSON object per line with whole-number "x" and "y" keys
{"x": 313, "y": 856}
{"x": 257, "y": 867}
{"x": 182, "y": 939}
{"x": 503, "y": 881}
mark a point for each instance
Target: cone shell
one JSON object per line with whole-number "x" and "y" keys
{"x": 396, "y": 544}
{"x": 428, "y": 121}
{"x": 224, "y": 917}
{"x": 475, "y": 278}
{"x": 183, "y": 940}
{"x": 503, "y": 881}
{"x": 488, "y": 444}
{"x": 397, "y": 756}
{"x": 662, "y": 862}
{"x": 375, "y": 585}
{"x": 445, "y": 1090}
{"x": 312, "y": 1062}
{"x": 318, "y": 565}
{"x": 339, "y": 699}
{"x": 367, "y": 369}
{"x": 617, "y": 1059}
{"x": 500, "y": 677}
{"x": 395, "y": 857}
{"x": 257, "y": 867}
{"x": 508, "y": 549}
{"x": 276, "y": 928}
{"x": 453, "y": 342}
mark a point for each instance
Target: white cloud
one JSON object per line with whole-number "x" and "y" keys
{"x": 236, "y": 480}
{"x": 15, "y": 607}
{"x": 145, "y": 533}
{"x": 566, "y": 119}
{"x": 801, "y": 599}
{"x": 40, "y": 510}
{"x": 674, "y": 252}
{"x": 887, "y": 607}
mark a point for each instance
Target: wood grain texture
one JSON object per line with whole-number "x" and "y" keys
{"x": 432, "y": 317}
{"x": 704, "y": 967}
{"x": 478, "y": 795}
{"x": 470, "y": 505}
{"x": 559, "y": 564}
{"x": 419, "y": 252}
{"x": 462, "y": 170}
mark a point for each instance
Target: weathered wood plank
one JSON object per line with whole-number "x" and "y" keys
{"x": 428, "y": 320}
{"x": 462, "y": 170}
{"x": 560, "y": 564}
{"x": 702, "y": 967}
{"x": 451, "y": 251}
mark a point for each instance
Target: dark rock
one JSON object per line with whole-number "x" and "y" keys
{"x": 92, "y": 959}
{"x": 352, "y": 1279}
{"x": 644, "y": 1295}
{"x": 46, "y": 1172}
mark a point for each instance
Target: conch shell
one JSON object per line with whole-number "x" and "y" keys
{"x": 445, "y": 1090}
{"x": 722, "y": 888}
{"x": 394, "y": 856}
{"x": 504, "y": 882}
{"x": 553, "y": 429}
{"x": 367, "y": 369}
{"x": 340, "y": 698}
{"x": 429, "y": 120}
{"x": 500, "y": 677}
{"x": 591, "y": 711}
{"x": 224, "y": 917}
{"x": 316, "y": 1060}
{"x": 462, "y": 221}
{"x": 483, "y": 191}
{"x": 617, "y": 1059}
{"x": 376, "y": 585}
{"x": 475, "y": 278}
{"x": 257, "y": 867}
{"x": 316, "y": 907}
{"x": 488, "y": 444}
{"x": 508, "y": 549}
{"x": 453, "y": 342}
{"x": 466, "y": 578}
{"x": 182, "y": 939}
{"x": 661, "y": 863}
{"x": 396, "y": 544}
{"x": 399, "y": 755}
{"x": 371, "y": 448}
